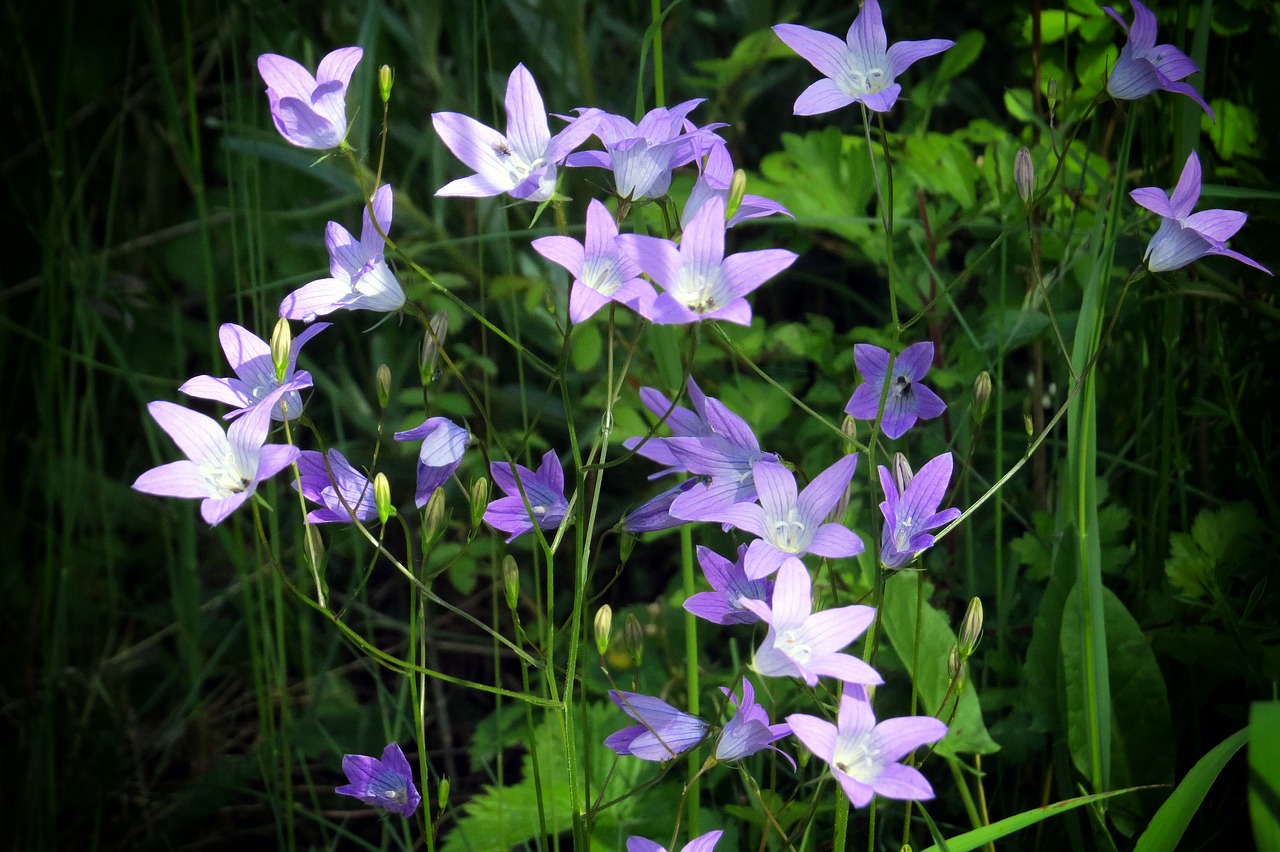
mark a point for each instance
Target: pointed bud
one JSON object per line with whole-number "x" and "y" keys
{"x": 626, "y": 543}
{"x": 737, "y": 189}
{"x": 1024, "y": 175}
{"x": 442, "y": 793}
{"x": 633, "y": 637}
{"x": 511, "y": 581}
{"x": 433, "y": 518}
{"x": 432, "y": 342}
{"x": 850, "y": 429}
{"x": 958, "y": 669}
{"x": 313, "y": 547}
{"x": 1052, "y": 90}
{"x": 479, "y": 500}
{"x": 281, "y": 343}
{"x": 382, "y": 381}
{"x": 1028, "y": 425}
{"x": 902, "y": 473}
{"x": 382, "y": 497}
{"x": 971, "y": 629}
{"x": 385, "y": 78}
{"x": 981, "y": 396}
{"x": 603, "y": 628}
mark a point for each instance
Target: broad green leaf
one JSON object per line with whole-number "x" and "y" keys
{"x": 1044, "y": 663}
{"x": 1166, "y": 827}
{"x": 1264, "y": 773}
{"x": 961, "y": 56}
{"x": 979, "y": 837}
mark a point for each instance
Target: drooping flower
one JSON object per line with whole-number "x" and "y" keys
{"x": 545, "y": 490}
{"x": 310, "y": 112}
{"x": 443, "y": 443}
{"x": 1184, "y": 236}
{"x": 909, "y": 516}
{"x": 864, "y": 755}
{"x": 749, "y": 730}
{"x": 522, "y": 163}
{"x": 731, "y": 586}
{"x": 255, "y": 379}
{"x": 655, "y": 514}
{"x": 861, "y": 68}
{"x": 359, "y": 276}
{"x": 1144, "y": 66}
{"x": 346, "y": 490}
{"x": 701, "y": 843}
{"x": 601, "y": 270}
{"x": 715, "y": 181}
{"x": 663, "y": 732}
{"x": 806, "y": 644}
{"x": 386, "y": 783}
{"x": 907, "y": 400}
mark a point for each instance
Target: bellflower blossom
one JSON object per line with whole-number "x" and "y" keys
{"x": 731, "y": 586}
{"x": 443, "y": 443}
{"x": 385, "y": 783}
{"x": 749, "y": 730}
{"x": 806, "y": 644}
{"x": 346, "y": 484}
{"x": 907, "y": 401}
{"x": 1184, "y": 236}
{"x": 683, "y": 423}
{"x": 714, "y": 182}
{"x": 663, "y": 732}
{"x": 655, "y": 514}
{"x": 860, "y": 69}
{"x": 909, "y": 516}
{"x": 1144, "y": 66}
{"x": 727, "y": 457}
{"x": 359, "y": 276}
{"x": 522, "y": 163}
{"x": 545, "y": 490}
{"x": 701, "y": 843}
{"x": 864, "y": 755}
{"x": 250, "y": 358}
{"x": 310, "y": 112}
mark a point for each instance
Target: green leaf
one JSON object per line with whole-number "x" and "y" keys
{"x": 961, "y": 56}
{"x": 1264, "y": 773}
{"x": 1219, "y": 539}
{"x": 981, "y": 836}
{"x": 1166, "y": 827}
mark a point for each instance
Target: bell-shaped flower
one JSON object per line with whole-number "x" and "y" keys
{"x": 386, "y": 783}
{"x": 731, "y": 587}
{"x": 663, "y": 732}
{"x": 749, "y": 730}
{"x": 911, "y": 514}
{"x": 255, "y": 379}
{"x": 655, "y": 513}
{"x": 907, "y": 401}
{"x": 1144, "y": 66}
{"x": 310, "y": 112}
{"x": 443, "y": 443}
{"x": 545, "y": 492}
{"x": 338, "y": 487}
{"x": 701, "y": 843}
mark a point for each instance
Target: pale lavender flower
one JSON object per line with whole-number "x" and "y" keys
{"x": 255, "y": 379}
{"x": 714, "y": 182}
{"x": 1184, "y": 236}
{"x": 701, "y": 843}
{"x": 1144, "y": 66}
{"x": 663, "y": 732}
{"x": 909, "y": 516}
{"x": 385, "y": 783}
{"x": 545, "y": 490}
{"x": 907, "y": 400}
{"x": 443, "y": 443}
{"x": 346, "y": 486}
{"x": 683, "y": 423}
{"x": 731, "y": 586}
{"x": 726, "y": 458}
{"x": 359, "y": 276}
{"x": 522, "y": 163}
{"x": 860, "y": 69}
{"x": 806, "y": 644}
{"x": 749, "y": 730}
{"x": 601, "y": 270}
{"x": 310, "y": 112}
{"x": 864, "y": 755}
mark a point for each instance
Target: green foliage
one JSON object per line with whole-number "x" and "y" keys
{"x": 1219, "y": 540}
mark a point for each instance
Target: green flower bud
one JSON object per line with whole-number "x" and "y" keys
{"x": 958, "y": 669}
{"x": 385, "y": 78}
{"x": 737, "y": 189}
{"x": 1024, "y": 175}
{"x": 382, "y": 497}
{"x": 511, "y": 581}
{"x": 633, "y": 637}
{"x": 479, "y": 500}
{"x": 902, "y": 473}
{"x": 971, "y": 628}
{"x": 1028, "y": 425}
{"x": 313, "y": 547}
{"x": 603, "y": 628}
{"x": 281, "y": 343}
{"x": 442, "y": 793}
{"x": 850, "y": 429}
{"x": 626, "y": 544}
{"x": 981, "y": 396}
{"x": 432, "y": 342}
{"x": 433, "y": 517}
{"x": 382, "y": 380}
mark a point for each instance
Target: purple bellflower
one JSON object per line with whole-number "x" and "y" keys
{"x": 310, "y": 112}
{"x": 727, "y": 457}
{"x": 522, "y": 163}
{"x": 545, "y": 490}
{"x": 731, "y": 586}
{"x": 221, "y": 468}
{"x": 683, "y": 423}
{"x": 346, "y": 490}
{"x": 655, "y": 514}
{"x": 255, "y": 380}
{"x": 860, "y": 69}
{"x": 1184, "y": 236}
{"x": 907, "y": 400}
{"x": 443, "y": 443}
{"x": 701, "y": 843}
{"x": 698, "y": 281}
{"x": 864, "y": 755}
{"x": 909, "y": 516}
{"x": 749, "y": 730}
{"x": 385, "y": 783}
{"x": 1144, "y": 66}
{"x": 806, "y": 644}
{"x": 359, "y": 276}
{"x": 663, "y": 732}
{"x": 601, "y": 270}
{"x": 714, "y": 182}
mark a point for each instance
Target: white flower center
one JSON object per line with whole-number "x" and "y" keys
{"x": 856, "y": 758}
{"x": 789, "y": 643}
{"x": 857, "y": 81}
{"x": 789, "y": 534}
{"x": 701, "y": 288}
{"x": 902, "y": 533}
{"x": 601, "y": 275}
{"x": 224, "y": 477}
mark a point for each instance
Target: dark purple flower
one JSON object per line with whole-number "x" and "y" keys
{"x": 443, "y": 443}
{"x": 310, "y": 112}
{"x": 731, "y": 585}
{"x": 655, "y": 514}
{"x": 701, "y": 843}
{"x": 545, "y": 490}
{"x": 1144, "y": 66}
{"x": 385, "y": 783}
{"x": 909, "y": 516}
{"x": 749, "y": 730}
{"x": 250, "y": 358}
{"x": 346, "y": 484}
{"x": 907, "y": 400}
{"x": 663, "y": 732}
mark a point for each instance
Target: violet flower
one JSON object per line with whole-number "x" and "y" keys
{"x": 731, "y": 586}
{"x": 663, "y": 732}
{"x": 443, "y": 443}
{"x": 1184, "y": 236}
{"x": 310, "y": 112}
{"x": 545, "y": 490}
{"x": 860, "y": 69}
{"x": 727, "y": 458}
{"x": 749, "y": 730}
{"x": 715, "y": 181}
{"x": 655, "y": 514}
{"x": 1144, "y": 66}
{"x": 385, "y": 783}
{"x": 701, "y": 843}
{"x": 346, "y": 484}
{"x": 359, "y": 276}
{"x": 683, "y": 423}
{"x": 864, "y": 755}
{"x": 255, "y": 380}
{"x": 909, "y": 516}
{"x": 907, "y": 400}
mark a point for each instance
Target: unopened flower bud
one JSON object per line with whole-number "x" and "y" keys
{"x": 382, "y": 497}
{"x": 958, "y": 669}
{"x": 442, "y": 793}
{"x": 281, "y": 343}
{"x": 626, "y": 543}
{"x": 971, "y": 629}
{"x": 385, "y": 78}
{"x": 1052, "y": 91}
{"x": 1024, "y": 174}
{"x": 432, "y": 343}
{"x": 902, "y": 473}
{"x": 633, "y": 636}
{"x": 850, "y": 428}
{"x": 981, "y": 396}
{"x": 382, "y": 382}
{"x": 479, "y": 500}
{"x": 737, "y": 189}
{"x": 603, "y": 628}
{"x": 511, "y": 581}
{"x": 433, "y": 518}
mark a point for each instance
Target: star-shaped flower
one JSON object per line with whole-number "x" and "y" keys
{"x": 310, "y": 112}
{"x": 907, "y": 401}
{"x": 731, "y": 585}
{"x": 749, "y": 730}
{"x": 683, "y": 423}
{"x": 385, "y": 783}
{"x": 443, "y": 443}
{"x": 715, "y": 181}
{"x": 545, "y": 490}
{"x": 345, "y": 490}
{"x": 663, "y": 732}
{"x": 701, "y": 843}
{"x": 1144, "y": 66}
{"x": 909, "y": 516}
{"x": 250, "y": 358}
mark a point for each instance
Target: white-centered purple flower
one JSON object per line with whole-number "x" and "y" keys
{"x": 663, "y": 732}
{"x": 862, "y": 68}
{"x": 749, "y": 730}
{"x": 697, "y": 280}
{"x": 909, "y": 516}
{"x": 701, "y": 843}
{"x": 310, "y": 112}
{"x": 359, "y": 276}
{"x": 731, "y": 587}
{"x": 443, "y": 443}
{"x": 715, "y": 181}
{"x": 522, "y": 163}
{"x": 863, "y": 755}
{"x": 1144, "y": 66}
{"x": 601, "y": 270}
{"x": 806, "y": 644}
{"x": 386, "y": 783}
{"x": 221, "y": 468}
{"x": 1184, "y": 236}
{"x": 545, "y": 492}
{"x": 255, "y": 379}
{"x": 907, "y": 400}
{"x": 339, "y": 488}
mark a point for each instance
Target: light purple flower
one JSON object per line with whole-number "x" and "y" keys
{"x": 806, "y": 644}
{"x": 790, "y": 524}
{"x": 862, "y": 68}
{"x": 655, "y": 514}
{"x": 221, "y": 468}
{"x": 663, "y": 732}
{"x": 385, "y": 783}
{"x": 250, "y": 358}
{"x": 701, "y": 843}
{"x": 345, "y": 485}
{"x": 909, "y": 516}
{"x": 545, "y": 490}
{"x": 907, "y": 400}
{"x": 359, "y": 276}
{"x": 522, "y": 163}
{"x": 863, "y": 755}
{"x": 749, "y": 730}
{"x": 601, "y": 270}
{"x": 1144, "y": 66}
{"x": 683, "y": 423}
{"x": 310, "y": 112}
{"x": 698, "y": 281}
{"x": 443, "y": 443}
{"x": 1184, "y": 236}
{"x": 727, "y": 457}
{"x": 731, "y": 585}
{"x": 714, "y": 182}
